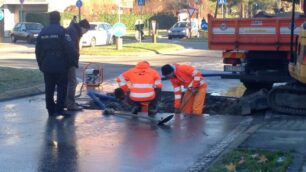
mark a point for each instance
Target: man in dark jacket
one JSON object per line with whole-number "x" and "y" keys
{"x": 75, "y": 30}
{"x": 53, "y": 51}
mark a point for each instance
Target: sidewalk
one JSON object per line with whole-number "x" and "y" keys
{"x": 274, "y": 132}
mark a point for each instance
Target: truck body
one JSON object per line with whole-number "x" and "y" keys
{"x": 255, "y": 50}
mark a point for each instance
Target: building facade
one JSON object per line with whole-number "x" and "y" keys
{"x": 16, "y": 10}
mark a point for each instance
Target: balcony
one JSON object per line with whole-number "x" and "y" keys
{"x": 17, "y": 2}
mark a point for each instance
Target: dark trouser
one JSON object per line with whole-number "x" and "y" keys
{"x": 71, "y": 86}
{"x": 152, "y": 103}
{"x": 53, "y": 80}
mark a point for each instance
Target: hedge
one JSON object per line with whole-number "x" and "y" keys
{"x": 164, "y": 21}
{"x": 38, "y": 17}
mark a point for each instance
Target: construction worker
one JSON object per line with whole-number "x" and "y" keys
{"x": 75, "y": 30}
{"x": 54, "y": 49}
{"x": 193, "y": 82}
{"x": 139, "y": 85}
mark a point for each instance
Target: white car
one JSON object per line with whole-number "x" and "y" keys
{"x": 100, "y": 33}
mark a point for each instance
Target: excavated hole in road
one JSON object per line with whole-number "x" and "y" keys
{"x": 213, "y": 104}
{"x": 230, "y": 102}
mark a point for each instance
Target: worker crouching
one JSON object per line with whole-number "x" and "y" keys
{"x": 140, "y": 85}
{"x": 193, "y": 81}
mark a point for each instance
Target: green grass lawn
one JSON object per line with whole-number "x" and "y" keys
{"x": 130, "y": 49}
{"x": 243, "y": 160}
{"x": 12, "y": 78}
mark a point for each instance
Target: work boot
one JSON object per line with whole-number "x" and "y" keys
{"x": 74, "y": 107}
{"x": 108, "y": 111}
{"x": 51, "y": 113}
{"x": 152, "y": 113}
{"x": 62, "y": 113}
{"x": 135, "y": 110}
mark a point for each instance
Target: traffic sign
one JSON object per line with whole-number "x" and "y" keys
{"x": 119, "y": 29}
{"x": 79, "y": 3}
{"x": 191, "y": 11}
{"x": 21, "y": 1}
{"x": 141, "y": 2}
{"x": 1, "y": 15}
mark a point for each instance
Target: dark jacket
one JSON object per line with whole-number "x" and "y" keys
{"x": 54, "y": 49}
{"x": 74, "y": 30}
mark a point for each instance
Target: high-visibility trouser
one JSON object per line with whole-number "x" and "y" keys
{"x": 195, "y": 103}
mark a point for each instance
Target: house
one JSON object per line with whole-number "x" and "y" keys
{"x": 16, "y": 10}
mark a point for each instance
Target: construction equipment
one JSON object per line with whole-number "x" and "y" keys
{"x": 255, "y": 50}
{"x": 92, "y": 77}
{"x": 262, "y": 51}
{"x": 291, "y": 98}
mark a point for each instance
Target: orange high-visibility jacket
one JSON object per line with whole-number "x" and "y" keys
{"x": 187, "y": 76}
{"x": 140, "y": 81}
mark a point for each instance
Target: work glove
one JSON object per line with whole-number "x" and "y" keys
{"x": 108, "y": 111}
{"x": 194, "y": 90}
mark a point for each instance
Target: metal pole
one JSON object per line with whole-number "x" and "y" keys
{"x": 79, "y": 14}
{"x": 216, "y": 10}
{"x": 119, "y": 6}
{"x": 222, "y": 10}
{"x": 21, "y": 12}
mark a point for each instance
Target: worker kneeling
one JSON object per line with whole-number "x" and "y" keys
{"x": 140, "y": 85}
{"x": 193, "y": 81}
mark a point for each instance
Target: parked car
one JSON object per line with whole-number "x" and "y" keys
{"x": 27, "y": 31}
{"x": 100, "y": 33}
{"x": 181, "y": 30}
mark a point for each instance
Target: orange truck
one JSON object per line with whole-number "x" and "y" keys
{"x": 255, "y": 50}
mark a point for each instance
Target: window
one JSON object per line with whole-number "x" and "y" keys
{"x": 101, "y": 27}
{"x": 17, "y": 27}
{"x": 92, "y": 26}
{"x": 33, "y": 26}
{"x": 23, "y": 27}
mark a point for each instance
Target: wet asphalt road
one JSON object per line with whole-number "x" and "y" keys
{"x": 89, "y": 141}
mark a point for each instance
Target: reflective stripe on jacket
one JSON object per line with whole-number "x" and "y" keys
{"x": 140, "y": 81}
{"x": 187, "y": 76}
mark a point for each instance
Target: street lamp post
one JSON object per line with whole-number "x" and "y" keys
{"x": 21, "y": 10}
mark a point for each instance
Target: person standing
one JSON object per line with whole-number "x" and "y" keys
{"x": 53, "y": 51}
{"x": 193, "y": 81}
{"x": 138, "y": 85}
{"x": 75, "y": 30}
{"x": 74, "y": 19}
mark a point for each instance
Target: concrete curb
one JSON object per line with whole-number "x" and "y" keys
{"x": 24, "y": 92}
{"x": 228, "y": 143}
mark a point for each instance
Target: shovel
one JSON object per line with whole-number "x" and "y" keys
{"x": 184, "y": 103}
{"x": 120, "y": 113}
{"x": 156, "y": 121}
